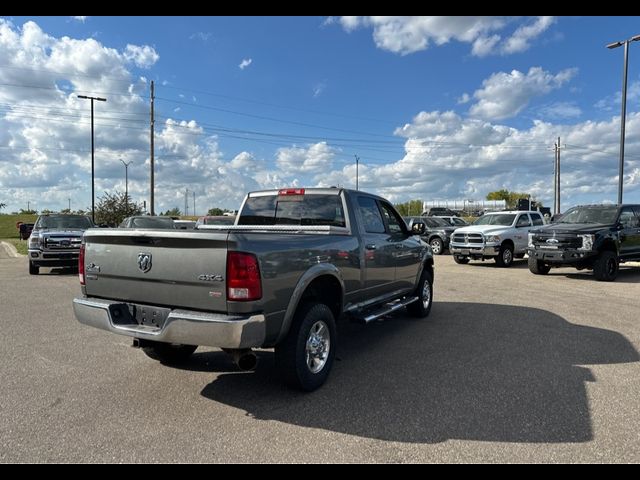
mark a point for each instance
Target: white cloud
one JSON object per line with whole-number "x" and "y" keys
{"x": 464, "y": 98}
{"x": 405, "y": 35}
{"x": 245, "y": 63}
{"x": 202, "y": 36}
{"x": 318, "y": 88}
{"x": 315, "y": 158}
{"x": 504, "y": 95}
{"x": 451, "y": 157}
{"x": 143, "y": 56}
{"x": 80, "y": 19}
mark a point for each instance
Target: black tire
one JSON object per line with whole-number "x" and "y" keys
{"x": 422, "y": 307}
{"x": 33, "y": 269}
{"x": 437, "y": 245}
{"x": 537, "y": 267}
{"x": 605, "y": 268}
{"x": 169, "y": 353}
{"x": 460, "y": 260}
{"x": 313, "y": 326}
{"x": 505, "y": 256}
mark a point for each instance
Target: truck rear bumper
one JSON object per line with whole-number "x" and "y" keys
{"x": 181, "y": 326}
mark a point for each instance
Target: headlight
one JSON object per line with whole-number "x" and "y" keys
{"x": 530, "y": 245}
{"x": 34, "y": 241}
{"x": 587, "y": 242}
{"x": 493, "y": 239}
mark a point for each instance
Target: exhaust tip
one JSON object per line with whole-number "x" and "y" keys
{"x": 247, "y": 361}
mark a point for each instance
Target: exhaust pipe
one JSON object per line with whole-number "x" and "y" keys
{"x": 244, "y": 358}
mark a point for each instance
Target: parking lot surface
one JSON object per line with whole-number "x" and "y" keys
{"x": 509, "y": 367}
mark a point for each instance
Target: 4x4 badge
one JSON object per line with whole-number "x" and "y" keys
{"x": 144, "y": 262}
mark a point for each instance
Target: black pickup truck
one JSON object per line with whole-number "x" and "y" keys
{"x": 597, "y": 237}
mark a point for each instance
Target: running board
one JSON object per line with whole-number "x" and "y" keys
{"x": 388, "y": 308}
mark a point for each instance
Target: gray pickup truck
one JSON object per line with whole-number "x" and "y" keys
{"x": 295, "y": 262}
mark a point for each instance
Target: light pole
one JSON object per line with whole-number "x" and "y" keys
{"x": 623, "y": 112}
{"x": 93, "y": 204}
{"x": 126, "y": 183}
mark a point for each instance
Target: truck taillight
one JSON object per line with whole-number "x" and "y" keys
{"x": 291, "y": 191}
{"x": 81, "y": 265}
{"x": 243, "y": 277}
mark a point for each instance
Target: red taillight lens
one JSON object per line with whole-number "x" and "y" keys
{"x": 291, "y": 191}
{"x": 81, "y": 265}
{"x": 243, "y": 277}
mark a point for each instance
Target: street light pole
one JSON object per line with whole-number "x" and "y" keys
{"x": 623, "y": 111}
{"x": 93, "y": 204}
{"x": 126, "y": 184}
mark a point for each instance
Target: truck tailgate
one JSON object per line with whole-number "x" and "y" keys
{"x": 158, "y": 267}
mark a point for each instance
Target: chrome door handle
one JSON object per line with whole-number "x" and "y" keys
{"x": 371, "y": 246}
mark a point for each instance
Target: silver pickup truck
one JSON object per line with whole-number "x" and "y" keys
{"x": 295, "y": 262}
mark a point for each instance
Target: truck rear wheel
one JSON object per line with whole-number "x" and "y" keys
{"x": 422, "y": 307}
{"x": 169, "y": 353}
{"x": 537, "y": 267}
{"x": 605, "y": 268}
{"x": 306, "y": 354}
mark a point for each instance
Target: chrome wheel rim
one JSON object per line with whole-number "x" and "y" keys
{"x": 436, "y": 246}
{"x": 507, "y": 256}
{"x": 426, "y": 294}
{"x": 317, "y": 346}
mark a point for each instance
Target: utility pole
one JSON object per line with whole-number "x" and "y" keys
{"x": 151, "y": 153}
{"x": 357, "y": 162}
{"x": 93, "y": 201}
{"x": 69, "y": 204}
{"x": 194, "y": 204}
{"x": 186, "y": 201}
{"x": 126, "y": 183}
{"x": 558, "y": 148}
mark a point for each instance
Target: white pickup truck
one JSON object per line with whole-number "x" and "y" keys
{"x": 502, "y": 236}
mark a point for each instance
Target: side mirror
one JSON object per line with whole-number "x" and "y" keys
{"x": 418, "y": 228}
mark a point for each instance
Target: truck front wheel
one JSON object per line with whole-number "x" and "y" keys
{"x": 605, "y": 268}
{"x": 33, "y": 269}
{"x": 169, "y": 353}
{"x": 306, "y": 354}
{"x": 537, "y": 267}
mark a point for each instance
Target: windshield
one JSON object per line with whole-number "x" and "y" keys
{"x": 593, "y": 214}
{"x": 498, "y": 219}
{"x": 64, "y": 222}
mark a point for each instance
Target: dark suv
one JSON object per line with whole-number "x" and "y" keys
{"x": 597, "y": 237}
{"x": 437, "y": 233}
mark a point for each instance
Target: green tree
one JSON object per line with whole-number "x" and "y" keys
{"x": 2, "y": 205}
{"x": 174, "y": 212}
{"x": 113, "y": 208}
{"x": 410, "y": 208}
{"x": 24, "y": 211}
{"x": 510, "y": 197}
{"x": 215, "y": 212}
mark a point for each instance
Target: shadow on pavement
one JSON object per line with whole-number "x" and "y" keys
{"x": 469, "y": 371}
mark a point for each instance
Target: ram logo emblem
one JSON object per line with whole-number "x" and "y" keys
{"x": 144, "y": 262}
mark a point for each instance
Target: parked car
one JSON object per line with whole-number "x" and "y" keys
{"x": 297, "y": 261}
{"x": 454, "y": 220}
{"x": 185, "y": 224}
{"x": 437, "y": 233}
{"x": 595, "y": 237}
{"x": 216, "y": 220}
{"x": 438, "y": 211}
{"x": 146, "y": 221}
{"x": 55, "y": 241}
{"x": 502, "y": 236}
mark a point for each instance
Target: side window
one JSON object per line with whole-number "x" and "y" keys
{"x": 537, "y": 219}
{"x": 628, "y": 218}
{"x": 370, "y": 215}
{"x": 523, "y": 221}
{"x": 394, "y": 222}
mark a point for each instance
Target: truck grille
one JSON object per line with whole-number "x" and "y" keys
{"x": 62, "y": 243}
{"x": 468, "y": 238}
{"x": 557, "y": 240}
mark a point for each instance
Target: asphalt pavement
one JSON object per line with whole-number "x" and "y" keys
{"x": 509, "y": 367}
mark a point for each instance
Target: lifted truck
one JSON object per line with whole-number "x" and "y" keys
{"x": 295, "y": 262}
{"x": 596, "y": 237}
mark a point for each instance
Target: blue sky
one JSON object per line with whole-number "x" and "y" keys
{"x": 436, "y": 108}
